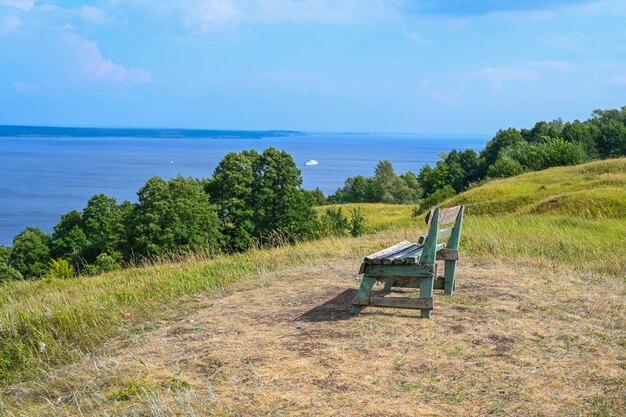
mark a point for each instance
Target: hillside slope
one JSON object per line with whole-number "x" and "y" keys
{"x": 536, "y": 326}
{"x": 596, "y": 189}
{"x": 516, "y": 339}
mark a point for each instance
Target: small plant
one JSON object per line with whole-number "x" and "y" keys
{"x": 357, "y": 222}
{"x": 103, "y": 263}
{"x": 129, "y": 389}
{"x": 177, "y": 384}
{"x": 60, "y": 268}
{"x": 334, "y": 222}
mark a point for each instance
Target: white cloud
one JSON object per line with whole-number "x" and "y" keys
{"x": 93, "y": 66}
{"x": 9, "y": 23}
{"x": 414, "y": 37}
{"x": 204, "y": 16}
{"x": 25, "y": 87}
{"x": 92, "y": 14}
{"x": 499, "y": 75}
{"x": 618, "y": 80}
{"x": 319, "y": 10}
{"x": 555, "y": 65}
{"x": 528, "y": 72}
{"x": 24, "y": 5}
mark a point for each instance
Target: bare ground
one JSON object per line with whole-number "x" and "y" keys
{"x": 519, "y": 339}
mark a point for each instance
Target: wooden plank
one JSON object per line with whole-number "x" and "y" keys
{"x": 444, "y": 233}
{"x": 423, "y": 303}
{"x": 388, "y": 251}
{"x": 403, "y": 282}
{"x": 430, "y": 245}
{"x": 448, "y": 255}
{"x": 364, "y": 291}
{"x": 453, "y": 243}
{"x": 446, "y": 215}
{"x": 400, "y": 270}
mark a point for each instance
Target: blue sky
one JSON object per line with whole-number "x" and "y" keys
{"x": 317, "y": 65}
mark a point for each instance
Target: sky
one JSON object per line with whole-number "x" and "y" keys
{"x": 422, "y": 66}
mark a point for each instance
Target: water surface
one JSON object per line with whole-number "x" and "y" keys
{"x": 44, "y": 177}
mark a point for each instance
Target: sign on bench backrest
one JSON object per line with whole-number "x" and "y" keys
{"x": 446, "y": 215}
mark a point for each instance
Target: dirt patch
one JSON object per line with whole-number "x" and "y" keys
{"x": 286, "y": 344}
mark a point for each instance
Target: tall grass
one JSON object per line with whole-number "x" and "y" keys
{"x": 595, "y": 246}
{"x": 378, "y": 216}
{"x": 48, "y": 322}
{"x": 596, "y": 189}
{"x": 71, "y": 317}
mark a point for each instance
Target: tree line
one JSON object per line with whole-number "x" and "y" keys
{"x": 510, "y": 152}
{"x": 252, "y": 199}
{"x": 256, "y": 199}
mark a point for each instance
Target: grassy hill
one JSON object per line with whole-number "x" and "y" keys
{"x": 593, "y": 190}
{"x": 536, "y": 326}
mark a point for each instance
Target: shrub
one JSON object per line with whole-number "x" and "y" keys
{"x": 8, "y": 273}
{"x": 60, "y": 268}
{"x": 334, "y": 222}
{"x": 505, "y": 167}
{"x": 357, "y": 222}
{"x": 104, "y": 263}
{"x": 437, "y": 197}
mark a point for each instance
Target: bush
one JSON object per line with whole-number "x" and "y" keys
{"x": 437, "y": 197}
{"x": 505, "y": 167}
{"x": 334, "y": 223}
{"x": 357, "y": 222}
{"x": 8, "y": 273}
{"x": 60, "y": 268}
{"x": 30, "y": 253}
{"x": 104, "y": 263}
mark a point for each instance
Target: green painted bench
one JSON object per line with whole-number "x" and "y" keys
{"x": 414, "y": 265}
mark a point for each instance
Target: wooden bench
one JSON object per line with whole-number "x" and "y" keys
{"x": 414, "y": 265}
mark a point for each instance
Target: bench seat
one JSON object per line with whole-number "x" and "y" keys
{"x": 413, "y": 265}
{"x": 397, "y": 254}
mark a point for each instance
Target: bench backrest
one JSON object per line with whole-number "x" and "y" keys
{"x": 435, "y": 218}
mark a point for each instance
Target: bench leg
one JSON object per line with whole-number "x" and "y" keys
{"x": 364, "y": 291}
{"x": 388, "y": 285}
{"x": 426, "y": 290}
{"x": 449, "y": 270}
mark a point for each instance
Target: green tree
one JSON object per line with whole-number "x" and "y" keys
{"x": 174, "y": 216}
{"x": 581, "y": 133}
{"x": 232, "y": 189}
{"x": 611, "y": 139}
{"x": 280, "y": 203}
{"x": 543, "y": 129}
{"x": 30, "y": 252}
{"x": 102, "y": 224}
{"x": 7, "y": 272}
{"x": 502, "y": 140}
{"x": 69, "y": 240}
{"x": 319, "y": 199}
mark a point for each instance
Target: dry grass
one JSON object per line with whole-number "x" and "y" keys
{"x": 516, "y": 339}
{"x": 536, "y": 327}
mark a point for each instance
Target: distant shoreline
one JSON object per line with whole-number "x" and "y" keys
{"x": 95, "y": 132}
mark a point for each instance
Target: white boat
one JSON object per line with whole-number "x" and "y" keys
{"x": 311, "y": 163}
